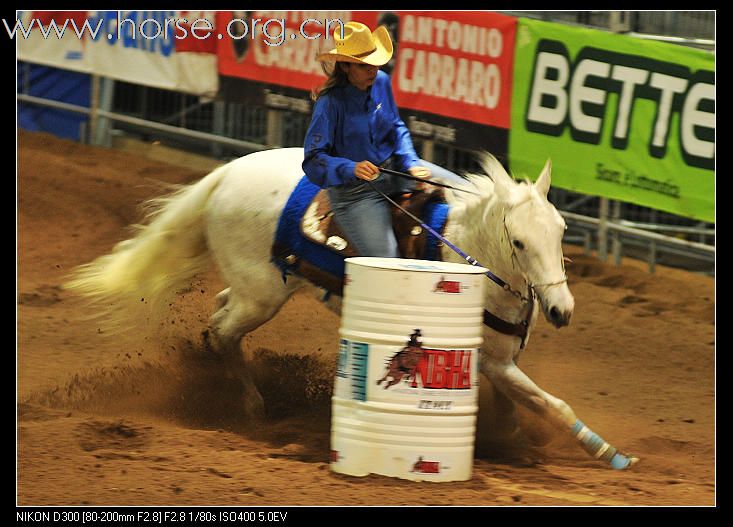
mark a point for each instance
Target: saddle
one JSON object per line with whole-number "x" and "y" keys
{"x": 319, "y": 226}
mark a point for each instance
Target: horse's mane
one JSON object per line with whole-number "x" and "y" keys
{"x": 483, "y": 182}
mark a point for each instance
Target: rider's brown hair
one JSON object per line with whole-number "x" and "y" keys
{"x": 336, "y": 77}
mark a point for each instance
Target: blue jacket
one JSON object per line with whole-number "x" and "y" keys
{"x": 349, "y": 126}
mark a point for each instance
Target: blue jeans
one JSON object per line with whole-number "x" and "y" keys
{"x": 366, "y": 217}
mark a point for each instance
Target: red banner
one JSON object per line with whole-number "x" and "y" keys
{"x": 259, "y": 51}
{"x": 455, "y": 64}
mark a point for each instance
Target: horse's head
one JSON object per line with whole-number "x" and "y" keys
{"x": 535, "y": 230}
{"x": 524, "y": 230}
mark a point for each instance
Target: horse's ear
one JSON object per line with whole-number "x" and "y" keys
{"x": 502, "y": 185}
{"x": 503, "y": 182}
{"x": 543, "y": 182}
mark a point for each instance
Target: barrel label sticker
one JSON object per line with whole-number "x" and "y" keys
{"x": 422, "y": 466}
{"x": 343, "y": 362}
{"x": 359, "y": 362}
{"x": 419, "y": 267}
{"x": 420, "y": 367}
{"x": 428, "y": 404}
{"x": 447, "y": 286}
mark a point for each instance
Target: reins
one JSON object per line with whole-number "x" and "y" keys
{"x": 415, "y": 178}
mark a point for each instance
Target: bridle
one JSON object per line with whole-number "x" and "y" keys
{"x": 515, "y": 262}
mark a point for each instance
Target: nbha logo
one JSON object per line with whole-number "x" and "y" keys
{"x": 437, "y": 369}
{"x": 443, "y": 369}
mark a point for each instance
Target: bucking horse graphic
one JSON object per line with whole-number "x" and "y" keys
{"x": 404, "y": 362}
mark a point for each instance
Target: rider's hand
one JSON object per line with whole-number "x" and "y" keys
{"x": 421, "y": 172}
{"x": 366, "y": 170}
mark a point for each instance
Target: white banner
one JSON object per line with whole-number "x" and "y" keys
{"x": 173, "y": 50}
{"x": 38, "y": 41}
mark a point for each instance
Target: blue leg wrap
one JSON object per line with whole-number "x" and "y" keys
{"x": 597, "y": 447}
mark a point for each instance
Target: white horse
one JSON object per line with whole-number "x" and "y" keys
{"x": 232, "y": 214}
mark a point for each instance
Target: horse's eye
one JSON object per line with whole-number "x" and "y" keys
{"x": 519, "y": 245}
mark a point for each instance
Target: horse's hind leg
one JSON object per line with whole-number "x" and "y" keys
{"x": 514, "y": 383}
{"x": 238, "y": 315}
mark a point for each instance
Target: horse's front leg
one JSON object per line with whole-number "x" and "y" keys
{"x": 515, "y": 384}
{"x": 380, "y": 381}
{"x": 395, "y": 380}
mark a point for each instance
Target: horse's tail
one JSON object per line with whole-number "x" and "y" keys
{"x": 141, "y": 274}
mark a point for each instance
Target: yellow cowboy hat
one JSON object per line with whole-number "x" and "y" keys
{"x": 360, "y": 45}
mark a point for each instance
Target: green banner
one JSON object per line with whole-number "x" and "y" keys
{"x": 620, "y": 117}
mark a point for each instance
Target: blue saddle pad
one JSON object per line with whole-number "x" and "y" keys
{"x": 288, "y": 232}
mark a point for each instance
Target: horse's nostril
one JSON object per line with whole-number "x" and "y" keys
{"x": 558, "y": 317}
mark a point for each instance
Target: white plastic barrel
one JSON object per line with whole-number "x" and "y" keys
{"x": 406, "y": 389}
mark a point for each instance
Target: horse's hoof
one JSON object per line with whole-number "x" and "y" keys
{"x": 622, "y": 462}
{"x": 254, "y": 411}
{"x": 254, "y": 405}
{"x": 207, "y": 343}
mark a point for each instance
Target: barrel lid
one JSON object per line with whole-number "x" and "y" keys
{"x": 406, "y": 264}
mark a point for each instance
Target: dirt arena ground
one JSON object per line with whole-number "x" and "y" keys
{"x": 125, "y": 421}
